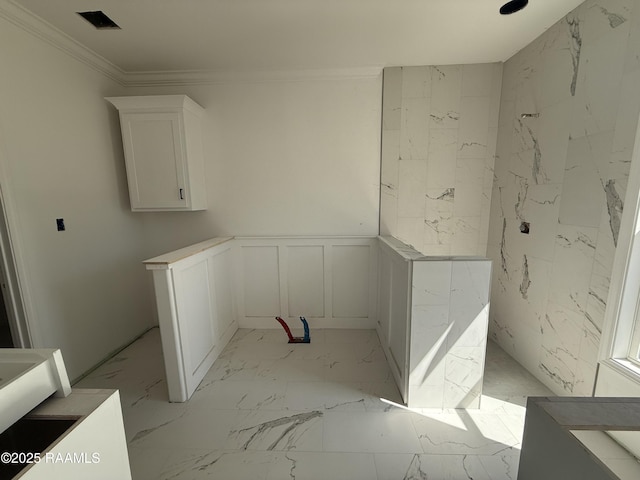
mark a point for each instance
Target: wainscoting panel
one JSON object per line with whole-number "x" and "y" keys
{"x": 221, "y": 275}
{"x": 399, "y": 323}
{"x": 192, "y": 289}
{"x": 351, "y": 270}
{"x": 261, "y": 281}
{"x": 384, "y": 294}
{"x": 329, "y": 280}
{"x": 394, "y": 290}
{"x": 305, "y": 281}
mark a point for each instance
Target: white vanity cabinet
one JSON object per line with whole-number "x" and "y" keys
{"x": 49, "y": 431}
{"x": 84, "y": 437}
{"x": 162, "y": 139}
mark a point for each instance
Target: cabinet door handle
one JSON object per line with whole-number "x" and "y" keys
{"x": 181, "y": 194}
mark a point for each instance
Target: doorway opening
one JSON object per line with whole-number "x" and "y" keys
{"x": 6, "y": 339}
{"x": 14, "y": 330}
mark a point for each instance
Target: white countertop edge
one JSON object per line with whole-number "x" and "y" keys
{"x": 411, "y": 254}
{"x": 182, "y": 253}
{"x": 407, "y": 252}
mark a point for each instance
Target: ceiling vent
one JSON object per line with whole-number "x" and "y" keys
{"x": 99, "y": 20}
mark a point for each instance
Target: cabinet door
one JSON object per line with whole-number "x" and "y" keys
{"x": 155, "y": 156}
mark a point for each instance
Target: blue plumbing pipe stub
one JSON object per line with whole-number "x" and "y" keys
{"x": 307, "y": 337}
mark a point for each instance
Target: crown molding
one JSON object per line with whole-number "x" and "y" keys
{"x": 33, "y": 24}
{"x": 202, "y": 77}
{"x": 38, "y": 27}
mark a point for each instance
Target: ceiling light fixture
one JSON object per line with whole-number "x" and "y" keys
{"x": 513, "y": 6}
{"x": 99, "y": 20}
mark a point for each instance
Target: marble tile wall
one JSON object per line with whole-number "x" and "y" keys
{"x": 438, "y": 146}
{"x": 448, "y": 339}
{"x": 563, "y": 172}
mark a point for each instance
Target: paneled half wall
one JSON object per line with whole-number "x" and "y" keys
{"x": 431, "y": 313}
{"x": 330, "y": 281}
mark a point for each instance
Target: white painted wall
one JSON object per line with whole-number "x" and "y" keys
{"x": 60, "y": 157}
{"x": 283, "y": 157}
{"x": 292, "y": 156}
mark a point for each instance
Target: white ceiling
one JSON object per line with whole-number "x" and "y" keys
{"x": 256, "y": 35}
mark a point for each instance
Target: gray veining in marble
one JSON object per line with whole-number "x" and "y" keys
{"x": 575, "y": 48}
{"x": 440, "y": 119}
{"x": 288, "y": 425}
{"x": 503, "y": 249}
{"x": 448, "y": 194}
{"x": 447, "y": 146}
{"x": 526, "y": 281}
{"x": 333, "y": 428}
{"x": 614, "y": 207}
{"x": 565, "y": 173}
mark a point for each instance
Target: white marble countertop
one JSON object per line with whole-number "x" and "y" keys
{"x": 182, "y": 253}
{"x": 411, "y": 254}
{"x": 405, "y": 251}
{"x": 80, "y": 402}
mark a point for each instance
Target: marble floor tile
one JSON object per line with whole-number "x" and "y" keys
{"x": 244, "y": 394}
{"x": 365, "y": 352}
{"x": 324, "y": 396}
{"x": 195, "y": 428}
{"x": 501, "y": 467}
{"x": 293, "y": 371}
{"x": 277, "y": 431}
{"x": 197, "y": 464}
{"x": 464, "y": 433}
{"x": 514, "y": 423}
{"x": 351, "y": 336}
{"x": 330, "y": 409}
{"x": 150, "y": 416}
{"x": 380, "y": 395}
{"x": 323, "y": 466}
{"x": 504, "y": 404}
{"x": 147, "y": 463}
{"x": 231, "y": 369}
{"x": 375, "y": 432}
{"x": 350, "y": 371}
{"x": 273, "y": 335}
{"x": 423, "y": 466}
{"x": 264, "y": 351}
{"x": 310, "y": 351}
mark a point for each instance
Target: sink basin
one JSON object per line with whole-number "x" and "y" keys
{"x": 27, "y": 378}
{"x": 33, "y": 435}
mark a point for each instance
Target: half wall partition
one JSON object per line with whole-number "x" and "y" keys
{"x": 431, "y": 313}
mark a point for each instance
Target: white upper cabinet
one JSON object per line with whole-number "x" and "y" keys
{"x": 162, "y": 137}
